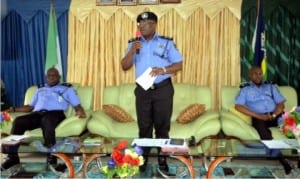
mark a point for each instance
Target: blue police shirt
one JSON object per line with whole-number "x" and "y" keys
{"x": 158, "y": 52}
{"x": 54, "y": 98}
{"x": 261, "y": 99}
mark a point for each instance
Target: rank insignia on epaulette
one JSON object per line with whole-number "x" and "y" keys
{"x": 269, "y": 82}
{"x": 41, "y": 85}
{"x": 167, "y": 38}
{"x": 67, "y": 84}
{"x": 244, "y": 85}
{"x": 131, "y": 40}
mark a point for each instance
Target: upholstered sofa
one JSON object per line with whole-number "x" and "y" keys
{"x": 235, "y": 124}
{"x": 72, "y": 125}
{"x": 207, "y": 124}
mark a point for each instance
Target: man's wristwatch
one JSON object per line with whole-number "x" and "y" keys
{"x": 274, "y": 116}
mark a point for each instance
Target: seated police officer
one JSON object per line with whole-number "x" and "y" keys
{"x": 264, "y": 103}
{"x": 47, "y": 111}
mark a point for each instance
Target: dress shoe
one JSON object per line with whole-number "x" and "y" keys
{"x": 286, "y": 165}
{"x": 52, "y": 160}
{"x": 162, "y": 162}
{"x": 144, "y": 166}
{"x": 11, "y": 161}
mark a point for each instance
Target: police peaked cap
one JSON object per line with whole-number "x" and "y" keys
{"x": 147, "y": 16}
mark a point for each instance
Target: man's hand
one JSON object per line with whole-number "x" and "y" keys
{"x": 80, "y": 111}
{"x": 10, "y": 110}
{"x": 157, "y": 71}
{"x": 264, "y": 117}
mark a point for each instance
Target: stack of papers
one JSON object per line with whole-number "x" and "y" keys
{"x": 92, "y": 141}
{"x": 172, "y": 145}
{"x": 279, "y": 144}
{"x": 13, "y": 139}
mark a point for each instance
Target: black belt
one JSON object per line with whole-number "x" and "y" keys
{"x": 161, "y": 84}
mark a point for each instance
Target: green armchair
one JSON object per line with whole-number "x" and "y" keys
{"x": 235, "y": 124}
{"x": 72, "y": 125}
{"x": 205, "y": 125}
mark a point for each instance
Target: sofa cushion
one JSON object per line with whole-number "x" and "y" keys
{"x": 190, "y": 113}
{"x": 242, "y": 116}
{"x": 117, "y": 113}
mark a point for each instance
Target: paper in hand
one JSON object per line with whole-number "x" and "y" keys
{"x": 146, "y": 80}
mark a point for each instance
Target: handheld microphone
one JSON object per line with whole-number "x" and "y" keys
{"x": 138, "y": 37}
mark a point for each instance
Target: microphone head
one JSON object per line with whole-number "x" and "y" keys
{"x": 138, "y": 34}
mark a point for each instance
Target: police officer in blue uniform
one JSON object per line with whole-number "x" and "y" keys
{"x": 47, "y": 111}
{"x": 264, "y": 103}
{"x": 154, "y": 106}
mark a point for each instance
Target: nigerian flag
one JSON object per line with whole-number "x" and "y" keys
{"x": 258, "y": 41}
{"x": 53, "y": 56}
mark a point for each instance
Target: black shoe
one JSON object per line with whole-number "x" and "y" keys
{"x": 162, "y": 162}
{"x": 11, "y": 161}
{"x": 286, "y": 165}
{"x": 61, "y": 167}
{"x": 144, "y": 166}
{"x": 52, "y": 160}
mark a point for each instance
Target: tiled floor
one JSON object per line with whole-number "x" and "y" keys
{"x": 197, "y": 161}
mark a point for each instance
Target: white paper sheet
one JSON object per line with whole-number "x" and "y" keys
{"x": 146, "y": 142}
{"x": 146, "y": 80}
{"x": 13, "y": 139}
{"x": 276, "y": 144}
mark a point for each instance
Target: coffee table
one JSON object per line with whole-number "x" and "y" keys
{"x": 224, "y": 149}
{"x": 96, "y": 153}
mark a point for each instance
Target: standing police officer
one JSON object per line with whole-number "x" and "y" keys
{"x": 154, "y": 106}
{"x": 47, "y": 106}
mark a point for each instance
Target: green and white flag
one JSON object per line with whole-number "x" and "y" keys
{"x": 53, "y": 55}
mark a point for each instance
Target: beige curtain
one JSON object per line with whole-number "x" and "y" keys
{"x": 206, "y": 32}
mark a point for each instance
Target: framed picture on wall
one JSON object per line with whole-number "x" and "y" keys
{"x": 170, "y": 1}
{"x": 148, "y": 1}
{"x": 106, "y": 2}
{"x": 126, "y": 2}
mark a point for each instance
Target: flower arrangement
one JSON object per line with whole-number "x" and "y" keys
{"x": 124, "y": 161}
{"x": 4, "y": 119}
{"x": 289, "y": 123}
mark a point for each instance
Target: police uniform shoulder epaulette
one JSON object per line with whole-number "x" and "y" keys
{"x": 244, "y": 85}
{"x": 269, "y": 82}
{"x": 41, "y": 85}
{"x": 67, "y": 84}
{"x": 131, "y": 40}
{"x": 167, "y": 38}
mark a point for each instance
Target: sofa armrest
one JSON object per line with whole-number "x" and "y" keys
{"x": 100, "y": 123}
{"x": 232, "y": 125}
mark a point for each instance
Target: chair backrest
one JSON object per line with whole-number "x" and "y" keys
{"x": 85, "y": 94}
{"x": 228, "y": 94}
{"x": 184, "y": 95}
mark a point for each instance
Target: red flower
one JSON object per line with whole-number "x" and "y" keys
{"x": 118, "y": 157}
{"x": 290, "y": 121}
{"x": 122, "y": 145}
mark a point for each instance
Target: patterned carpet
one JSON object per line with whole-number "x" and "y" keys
{"x": 38, "y": 170}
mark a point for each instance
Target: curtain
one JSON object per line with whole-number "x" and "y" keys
{"x": 206, "y": 32}
{"x": 24, "y": 37}
{"x": 282, "y": 19}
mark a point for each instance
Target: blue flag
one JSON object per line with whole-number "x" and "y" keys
{"x": 258, "y": 42}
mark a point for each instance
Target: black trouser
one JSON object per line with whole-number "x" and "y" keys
{"x": 264, "y": 132}
{"x": 154, "y": 109}
{"x": 47, "y": 120}
{"x": 262, "y": 128}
